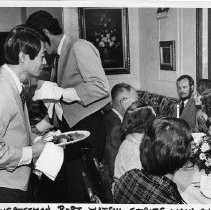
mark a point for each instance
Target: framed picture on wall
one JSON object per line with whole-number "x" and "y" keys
{"x": 107, "y": 29}
{"x": 167, "y": 56}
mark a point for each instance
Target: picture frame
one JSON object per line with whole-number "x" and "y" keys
{"x": 167, "y": 55}
{"x": 107, "y": 29}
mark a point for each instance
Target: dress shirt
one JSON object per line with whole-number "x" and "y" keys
{"x": 128, "y": 156}
{"x": 185, "y": 102}
{"x": 118, "y": 114}
{"x": 27, "y": 151}
{"x": 72, "y": 94}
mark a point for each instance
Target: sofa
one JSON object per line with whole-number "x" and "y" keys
{"x": 163, "y": 105}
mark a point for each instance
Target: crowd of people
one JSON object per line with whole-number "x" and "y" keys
{"x": 140, "y": 153}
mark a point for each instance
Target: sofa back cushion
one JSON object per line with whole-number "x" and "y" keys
{"x": 163, "y": 105}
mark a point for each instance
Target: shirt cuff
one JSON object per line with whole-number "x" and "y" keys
{"x": 43, "y": 125}
{"x": 70, "y": 94}
{"x": 26, "y": 156}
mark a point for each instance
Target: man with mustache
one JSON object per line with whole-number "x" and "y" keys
{"x": 187, "y": 107}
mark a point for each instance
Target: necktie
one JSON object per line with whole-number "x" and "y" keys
{"x": 56, "y": 67}
{"x": 23, "y": 95}
{"x": 182, "y": 105}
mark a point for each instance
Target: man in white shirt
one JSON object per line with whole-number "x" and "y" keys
{"x": 187, "y": 106}
{"x": 24, "y": 55}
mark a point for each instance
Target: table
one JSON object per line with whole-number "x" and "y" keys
{"x": 187, "y": 180}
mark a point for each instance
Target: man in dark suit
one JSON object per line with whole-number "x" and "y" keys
{"x": 83, "y": 90}
{"x": 123, "y": 95}
{"x": 187, "y": 107}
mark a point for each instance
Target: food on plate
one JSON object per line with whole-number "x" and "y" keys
{"x": 57, "y": 139}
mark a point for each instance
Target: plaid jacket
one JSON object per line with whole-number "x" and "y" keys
{"x": 137, "y": 187}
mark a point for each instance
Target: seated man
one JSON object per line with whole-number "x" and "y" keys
{"x": 187, "y": 107}
{"x": 164, "y": 149}
{"x": 123, "y": 95}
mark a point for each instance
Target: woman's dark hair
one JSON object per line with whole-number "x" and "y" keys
{"x": 138, "y": 118}
{"x": 44, "y": 20}
{"x": 206, "y": 101}
{"x": 165, "y": 147}
{"x": 22, "y": 39}
{"x": 203, "y": 85}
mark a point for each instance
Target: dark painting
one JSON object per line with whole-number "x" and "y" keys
{"x": 107, "y": 29}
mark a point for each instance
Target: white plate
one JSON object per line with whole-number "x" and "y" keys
{"x": 65, "y": 142}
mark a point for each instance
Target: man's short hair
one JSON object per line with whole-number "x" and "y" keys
{"x": 44, "y": 20}
{"x": 165, "y": 147}
{"x": 22, "y": 39}
{"x": 119, "y": 88}
{"x": 185, "y": 76}
{"x": 137, "y": 118}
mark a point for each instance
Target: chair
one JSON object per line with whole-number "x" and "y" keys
{"x": 93, "y": 177}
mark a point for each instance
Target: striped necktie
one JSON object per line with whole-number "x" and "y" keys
{"x": 23, "y": 95}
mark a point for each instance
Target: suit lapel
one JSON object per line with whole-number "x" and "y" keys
{"x": 67, "y": 44}
{"x": 187, "y": 107}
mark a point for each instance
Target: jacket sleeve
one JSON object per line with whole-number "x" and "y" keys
{"x": 9, "y": 155}
{"x": 114, "y": 141}
{"x": 95, "y": 85}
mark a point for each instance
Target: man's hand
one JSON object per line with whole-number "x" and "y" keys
{"x": 47, "y": 90}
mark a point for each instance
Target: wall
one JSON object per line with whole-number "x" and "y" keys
{"x": 180, "y": 26}
{"x": 145, "y": 31}
{"x": 7, "y": 18}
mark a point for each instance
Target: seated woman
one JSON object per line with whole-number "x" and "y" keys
{"x": 164, "y": 149}
{"x": 137, "y": 119}
{"x": 203, "y": 116}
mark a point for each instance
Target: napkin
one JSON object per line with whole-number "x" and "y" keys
{"x": 47, "y": 90}
{"x": 50, "y": 160}
{"x": 51, "y": 106}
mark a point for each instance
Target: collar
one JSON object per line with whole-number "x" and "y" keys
{"x": 118, "y": 114}
{"x": 135, "y": 137}
{"x": 14, "y": 76}
{"x": 185, "y": 102}
{"x": 61, "y": 44}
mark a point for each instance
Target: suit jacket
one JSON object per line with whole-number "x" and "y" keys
{"x": 189, "y": 113}
{"x": 14, "y": 135}
{"x": 80, "y": 67}
{"x": 113, "y": 127}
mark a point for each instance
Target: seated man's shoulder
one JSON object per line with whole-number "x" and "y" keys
{"x": 112, "y": 117}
